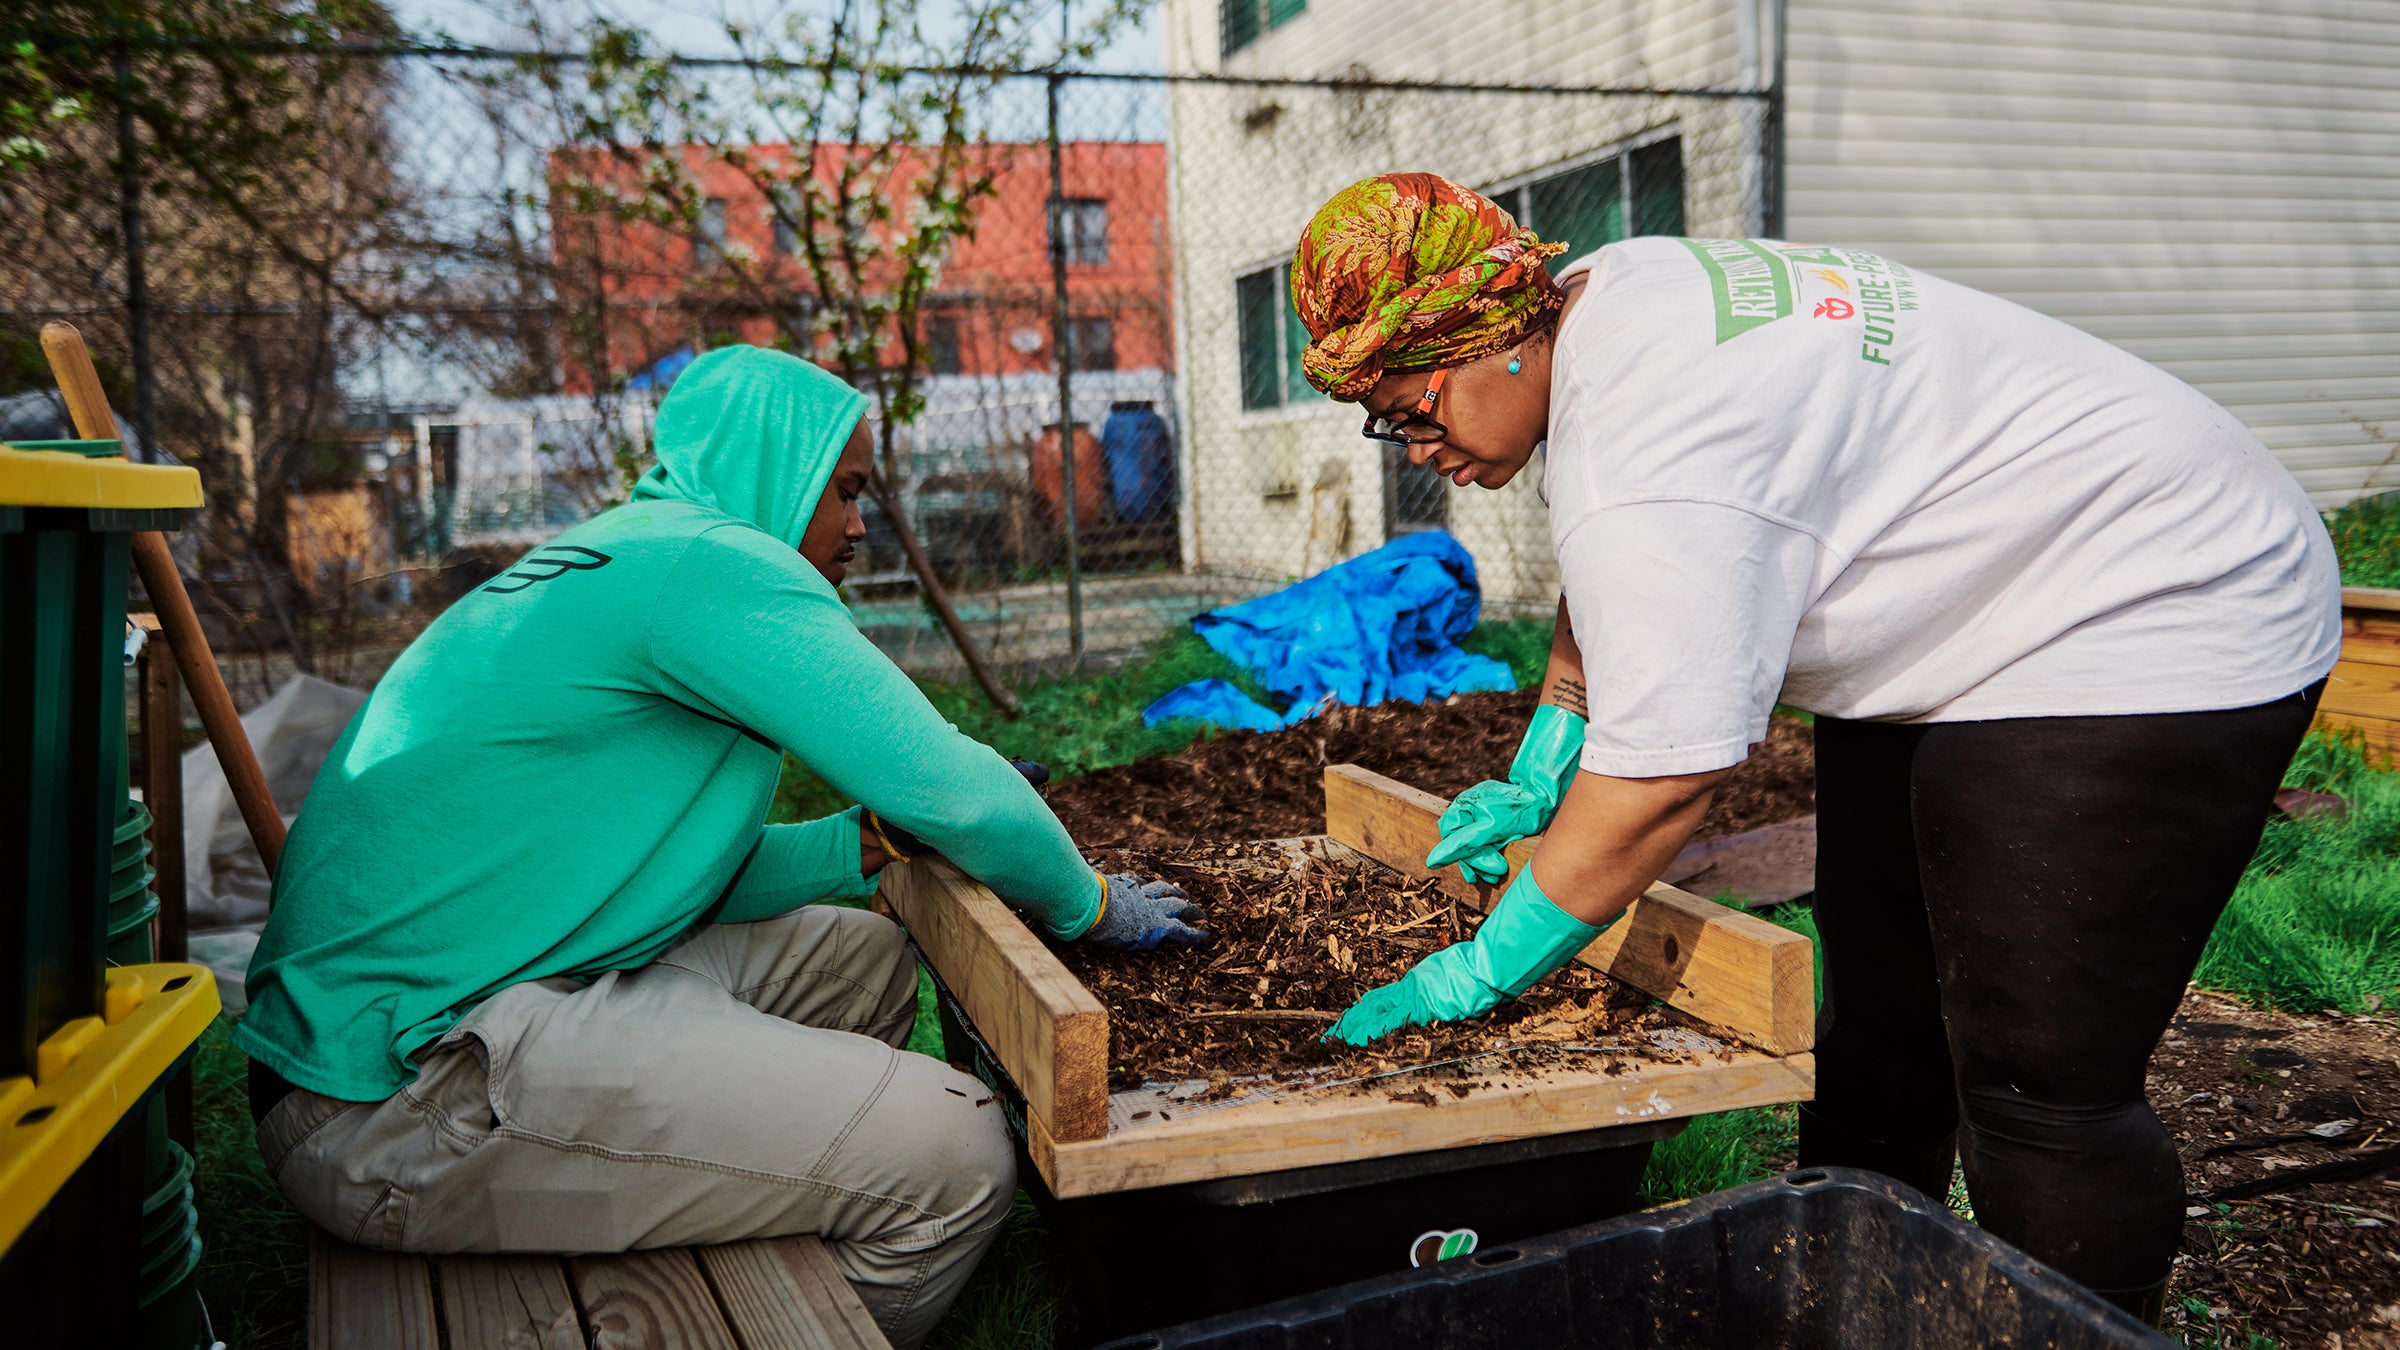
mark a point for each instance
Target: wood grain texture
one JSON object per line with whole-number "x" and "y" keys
{"x": 162, "y": 785}
{"x": 654, "y": 1300}
{"x": 2371, "y": 598}
{"x": 368, "y": 1300}
{"x": 508, "y": 1303}
{"x": 2362, "y": 689}
{"x": 1728, "y": 968}
{"x": 786, "y": 1294}
{"x": 1050, "y": 1033}
{"x": 1349, "y": 1124}
{"x": 78, "y": 381}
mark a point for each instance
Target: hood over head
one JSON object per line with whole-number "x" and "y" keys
{"x": 753, "y": 433}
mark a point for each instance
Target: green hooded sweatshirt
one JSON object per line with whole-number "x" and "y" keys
{"x": 573, "y": 765}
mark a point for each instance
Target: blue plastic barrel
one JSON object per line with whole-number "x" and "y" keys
{"x": 1141, "y": 462}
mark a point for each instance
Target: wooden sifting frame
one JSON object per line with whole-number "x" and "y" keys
{"x": 1049, "y": 1034}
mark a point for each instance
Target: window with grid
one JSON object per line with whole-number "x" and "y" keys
{"x": 1239, "y": 22}
{"x": 1092, "y": 342}
{"x": 710, "y": 241}
{"x": 1590, "y": 205}
{"x": 787, "y": 238}
{"x": 1271, "y": 339}
{"x": 1087, "y": 230}
{"x": 941, "y": 345}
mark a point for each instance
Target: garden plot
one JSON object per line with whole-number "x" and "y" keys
{"x": 1217, "y": 1098}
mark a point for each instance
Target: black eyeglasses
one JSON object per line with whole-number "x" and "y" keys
{"x": 1413, "y": 427}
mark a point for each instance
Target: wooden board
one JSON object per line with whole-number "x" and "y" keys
{"x": 368, "y": 1300}
{"x": 517, "y": 1302}
{"x": 1720, "y": 965}
{"x": 2371, "y": 598}
{"x": 1347, "y": 1125}
{"x": 655, "y": 1300}
{"x": 786, "y": 1294}
{"x": 1049, "y": 1032}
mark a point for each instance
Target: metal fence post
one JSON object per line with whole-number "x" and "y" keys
{"x": 1062, "y": 346}
{"x": 137, "y": 281}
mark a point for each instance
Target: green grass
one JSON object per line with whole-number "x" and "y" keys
{"x": 2366, "y": 537}
{"x": 254, "y": 1260}
{"x": 2315, "y": 922}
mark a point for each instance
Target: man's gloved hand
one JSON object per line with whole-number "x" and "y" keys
{"x": 1491, "y": 815}
{"x": 1525, "y": 938}
{"x": 899, "y": 845}
{"x": 1138, "y": 915}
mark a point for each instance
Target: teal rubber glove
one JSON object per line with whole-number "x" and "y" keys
{"x": 1525, "y": 938}
{"x": 1490, "y": 816}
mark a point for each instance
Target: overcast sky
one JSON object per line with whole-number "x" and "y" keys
{"x": 698, "y": 29}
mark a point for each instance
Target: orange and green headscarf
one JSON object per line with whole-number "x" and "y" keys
{"x": 1410, "y": 271}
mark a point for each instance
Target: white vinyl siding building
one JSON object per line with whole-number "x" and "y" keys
{"x": 2211, "y": 184}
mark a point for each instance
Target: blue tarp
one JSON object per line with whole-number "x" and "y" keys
{"x": 1383, "y": 625}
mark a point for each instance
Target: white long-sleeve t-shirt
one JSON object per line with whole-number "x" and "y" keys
{"x": 1784, "y": 472}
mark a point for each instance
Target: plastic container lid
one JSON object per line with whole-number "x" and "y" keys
{"x": 88, "y": 449}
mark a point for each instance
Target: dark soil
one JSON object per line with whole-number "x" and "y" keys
{"x": 1299, "y": 938}
{"x": 1270, "y": 785}
{"x": 2250, "y": 1095}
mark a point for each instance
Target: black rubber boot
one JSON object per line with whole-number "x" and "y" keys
{"x": 2148, "y": 1304}
{"x": 1926, "y": 1165}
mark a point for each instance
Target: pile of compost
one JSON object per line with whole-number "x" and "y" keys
{"x": 1299, "y": 937}
{"x": 1270, "y": 785}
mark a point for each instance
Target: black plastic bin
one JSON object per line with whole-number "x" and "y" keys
{"x": 1822, "y": 1258}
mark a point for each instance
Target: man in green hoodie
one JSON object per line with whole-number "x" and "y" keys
{"x": 540, "y": 978}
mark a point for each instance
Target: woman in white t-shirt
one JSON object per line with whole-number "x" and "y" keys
{"x": 2062, "y": 621}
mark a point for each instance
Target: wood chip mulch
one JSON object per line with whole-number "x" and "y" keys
{"x": 1271, "y": 785}
{"x": 1299, "y": 938}
{"x": 2255, "y": 1097}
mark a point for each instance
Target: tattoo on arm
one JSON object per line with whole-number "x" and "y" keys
{"x": 1567, "y": 692}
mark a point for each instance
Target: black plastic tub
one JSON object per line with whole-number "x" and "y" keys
{"x": 1822, "y": 1258}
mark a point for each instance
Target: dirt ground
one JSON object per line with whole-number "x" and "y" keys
{"x": 2251, "y": 1096}
{"x": 1270, "y": 785}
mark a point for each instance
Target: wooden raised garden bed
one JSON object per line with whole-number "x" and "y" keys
{"x": 1046, "y": 1036}
{"x": 2364, "y": 692}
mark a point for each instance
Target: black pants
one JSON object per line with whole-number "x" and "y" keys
{"x": 2010, "y": 911}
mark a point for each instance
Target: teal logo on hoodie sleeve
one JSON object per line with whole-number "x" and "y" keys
{"x": 548, "y": 563}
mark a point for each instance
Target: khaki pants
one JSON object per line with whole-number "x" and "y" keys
{"x": 744, "y": 1085}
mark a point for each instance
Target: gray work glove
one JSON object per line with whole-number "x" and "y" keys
{"x": 1140, "y": 915}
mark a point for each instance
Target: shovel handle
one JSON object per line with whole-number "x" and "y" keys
{"x": 87, "y": 404}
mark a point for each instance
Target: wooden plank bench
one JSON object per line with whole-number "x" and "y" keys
{"x": 769, "y": 1294}
{"x": 1048, "y": 1035}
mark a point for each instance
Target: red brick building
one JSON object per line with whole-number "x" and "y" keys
{"x": 644, "y": 296}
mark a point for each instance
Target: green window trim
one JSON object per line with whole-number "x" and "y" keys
{"x": 1588, "y": 206}
{"x": 1271, "y": 339}
{"x": 1240, "y": 22}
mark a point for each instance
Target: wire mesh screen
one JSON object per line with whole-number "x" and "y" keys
{"x": 460, "y": 295}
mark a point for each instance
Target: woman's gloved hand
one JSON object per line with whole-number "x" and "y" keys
{"x": 1490, "y": 816}
{"x": 1525, "y": 938}
{"x": 1138, "y": 915}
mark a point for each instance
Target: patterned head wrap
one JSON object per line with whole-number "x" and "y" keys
{"x": 1410, "y": 271}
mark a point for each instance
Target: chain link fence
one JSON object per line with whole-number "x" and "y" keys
{"x": 443, "y": 335}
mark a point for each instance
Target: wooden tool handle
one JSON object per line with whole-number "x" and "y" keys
{"x": 87, "y": 403}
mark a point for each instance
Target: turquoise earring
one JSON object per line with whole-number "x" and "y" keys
{"x": 1513, "y": 366}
